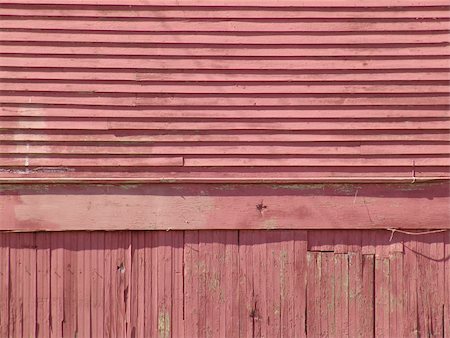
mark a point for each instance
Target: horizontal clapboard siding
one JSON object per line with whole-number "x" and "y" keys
{"x": 224, "y": 91}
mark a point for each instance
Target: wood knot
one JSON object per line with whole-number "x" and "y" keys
{"x": 260, "y": 207}
{"x": 121, "y": 268}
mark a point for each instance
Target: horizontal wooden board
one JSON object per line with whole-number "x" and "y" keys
{"x": 240, "y": 100}
{"x": 137, "y": 160}
{"x": 229, "y": 88}
{"x": 90, "y": 161}
{"x": 241, "y": 175}
{"x": 222, "y": 124}
{"x": 205, "y": 148}
{"x": 211, "y": 113}
{"x": 205, "y": 75}
{"x": 151, "y": 207}
{"x": 270, "y": 38}
{"x": 130, "y": 137}
{"x": 104, "y": 49}
{"x": 217, "y": 63}
{"x": 162, "y": 25}
{"x": 363, "y": 161}
{"x": 200, "y": 12}
{"x": 246, "y": 3}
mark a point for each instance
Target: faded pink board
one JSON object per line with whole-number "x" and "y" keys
{"x": 295, "y": 206}
{"x": 5, "y": 283}
{"x": 43, "y": 283}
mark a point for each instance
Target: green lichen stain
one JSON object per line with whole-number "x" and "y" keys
{"x": 348, "y": 189}
{"x": 30, "y": 187}
{"x": 164, "y": 324}
{"x": 417, "y": 186}
{"x": 129, "y": 186}
{"x": 299, "y": 186}
{"x": 230, "y": 187}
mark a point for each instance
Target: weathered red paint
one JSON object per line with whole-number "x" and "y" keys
{"x": 224, "y": 206}
{"x": 224, "y": 284}
{"x": 123, "y": 99}
{"x": 224, "y": 91}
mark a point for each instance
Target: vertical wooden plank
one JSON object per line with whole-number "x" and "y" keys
{"x": 97, "y": 283}
{"x": 157, "y": 279}
{"x": 121, "y": 270}
{"x": 273, "y": 283}
{"x": 287, "y": 292}
{"x": 215, "y": 284}
{"x": 83, "y": 284}
{"x": 112, "y": 273}
{"x": 109, "y": 309}
{"x": 300, "y": 279}
{"x": 4, "y": 284}
{"x": 43, "y": 247}
{"x": 177, "y": 285}
{"x": 220, "y": 244}
{"x": 191, "y": 261}
{"x": 165, "y": 267}
{"x": 341, "y": 286}
{"x": 206, "y": 241}
{"x": 70, "y": 284}
{"x": 15, "y": 296}
{"x": 354, "y": 292}
{"x": 430, "y": 255}
{"x": 79, "y": 281}
{"x": 127, "y": 286}
{"x": 259, "y": 266}
{"x": 232, "y": 284}
{"x": 137, "y": 285}
{"x": 396, "y": 295}
{"x": 313, "y": 294}
{"x": 326, "y": 296}
{"x": 366, "y": 320}
{"x": 149, "y": 294}
{"x": 447, "y": 284}
{"x": 57, "y": 285}
{"x": 246, "y": 305}
{"x": 437, "y": 270}
{"x": 410, "y": 325}
{"x": 382, "y": 275}
{"x": 29, "y": 285}
{"x": 15, "y": 301}
{"x": 423, "y": 299}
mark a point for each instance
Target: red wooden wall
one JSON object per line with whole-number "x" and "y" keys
{"x": 224, "y": 90}
{"x": 202, "y": 91}
{"x": 254, "y": 283}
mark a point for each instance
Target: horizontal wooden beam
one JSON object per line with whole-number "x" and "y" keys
{"x": 62, "y": 207}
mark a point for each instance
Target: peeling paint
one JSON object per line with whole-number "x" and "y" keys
{"x": 270, "y": 223}
{"x": 164, "y": 324}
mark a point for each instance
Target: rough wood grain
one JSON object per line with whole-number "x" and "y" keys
{"x": 256, "y": 283}
{"x": 239, "y": 71}
{"x": 295, "y": 206}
